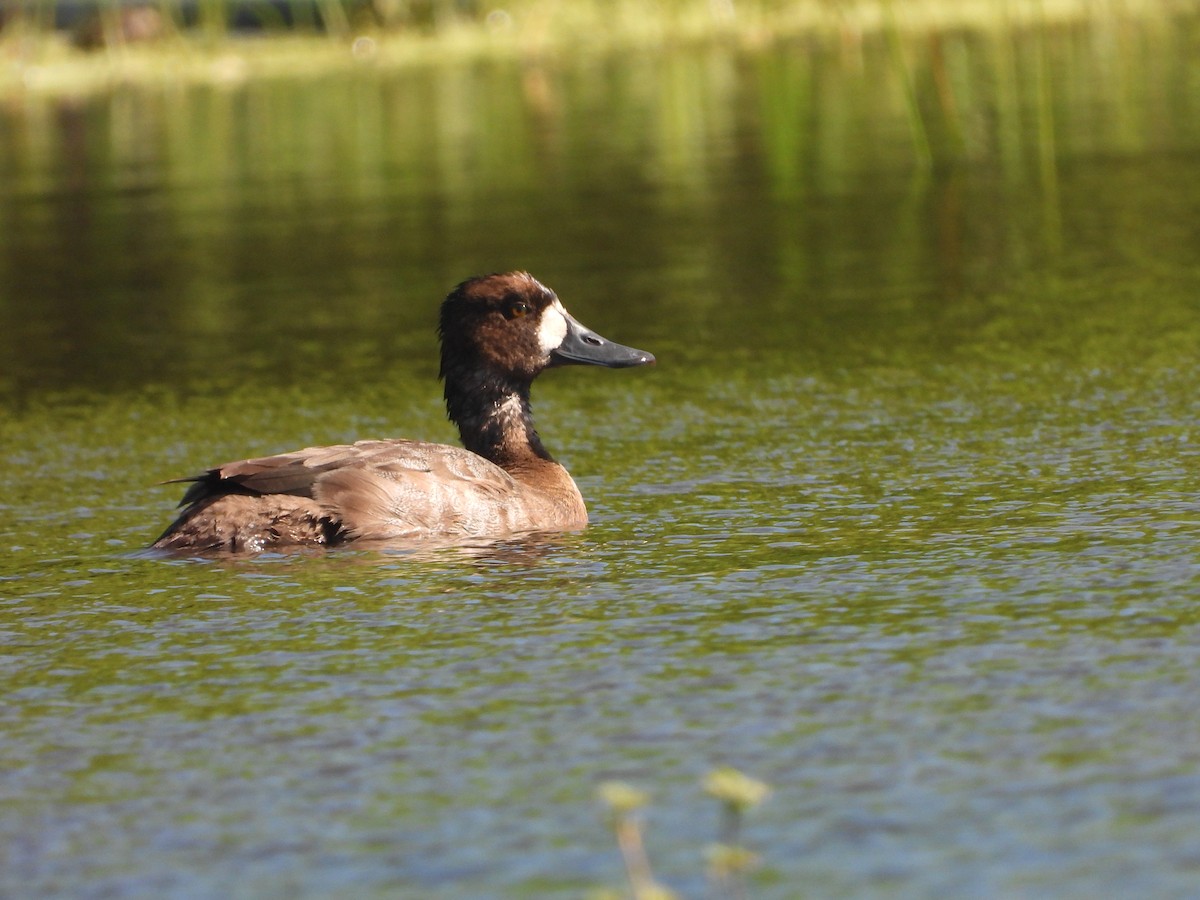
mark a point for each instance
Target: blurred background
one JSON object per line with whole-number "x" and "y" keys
{"x": 169, "y": 167}
{"x": 903, "y": 522}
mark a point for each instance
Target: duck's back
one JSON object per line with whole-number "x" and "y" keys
{"x": 386, "y": 490}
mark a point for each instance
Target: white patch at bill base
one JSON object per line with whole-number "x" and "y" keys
{"x": 553, "y": 327}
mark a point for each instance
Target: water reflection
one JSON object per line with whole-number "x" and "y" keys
{"x": 378, "y": 192}
{"x": 512, "y": 551}
{"x": 904, "y": 524}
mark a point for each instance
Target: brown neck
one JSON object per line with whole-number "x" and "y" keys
{"x": 494, "y": 419}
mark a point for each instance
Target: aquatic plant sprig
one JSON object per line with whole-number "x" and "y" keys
{"x": 624, "y": 802}
{"x": 728, "y": 861}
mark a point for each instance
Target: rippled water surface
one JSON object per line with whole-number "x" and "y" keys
{"x": 903, "y": 523}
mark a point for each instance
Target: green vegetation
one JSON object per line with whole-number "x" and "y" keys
{"x": 194, "y": 41}
{"x": 192, "y": 191}
{"x": 821, "y": 109}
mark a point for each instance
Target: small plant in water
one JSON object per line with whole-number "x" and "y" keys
{"x": 624, "y": 802}
{"x": 728, "y": 861}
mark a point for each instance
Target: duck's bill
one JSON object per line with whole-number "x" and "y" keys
{"x": 582, "y": 346}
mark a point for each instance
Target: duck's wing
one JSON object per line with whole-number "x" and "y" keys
{"x": 420, "y": 490}
{"x": 374, "y": 489}
{"x": 285, "y": 473}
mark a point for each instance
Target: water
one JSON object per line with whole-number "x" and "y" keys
{"x": 903, "y": 522}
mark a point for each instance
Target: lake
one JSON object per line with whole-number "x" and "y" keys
{"x": 904, "y": 521}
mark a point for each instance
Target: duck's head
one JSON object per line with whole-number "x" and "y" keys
{"x": 513, "y": 327}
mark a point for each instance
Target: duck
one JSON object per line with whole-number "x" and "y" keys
{"x": 498, "y": 332}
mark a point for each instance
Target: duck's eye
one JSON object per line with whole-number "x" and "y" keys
{"x": 516, "y": 309}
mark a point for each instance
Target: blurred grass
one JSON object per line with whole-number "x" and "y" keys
{"x": 197, "y": 41}
{"x": 173, "y": 220}
{"x": 824, "y": 107}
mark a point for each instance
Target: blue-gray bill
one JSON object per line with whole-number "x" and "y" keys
{"x": 582, "y": 346}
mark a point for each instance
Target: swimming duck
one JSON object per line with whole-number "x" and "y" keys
{"x": 498, "y": 333}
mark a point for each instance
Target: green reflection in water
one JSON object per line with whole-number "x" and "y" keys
{"x": 903, "y": 522}
{"x": 688, "y": 160}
